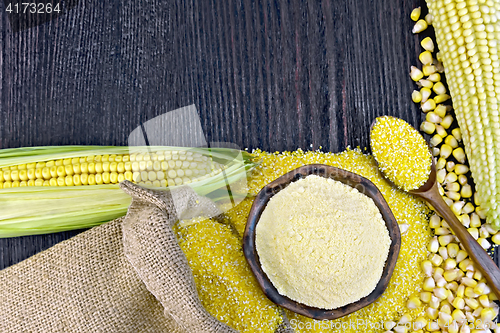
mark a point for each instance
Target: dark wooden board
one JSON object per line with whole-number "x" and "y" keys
{"x": 275, "y": 75}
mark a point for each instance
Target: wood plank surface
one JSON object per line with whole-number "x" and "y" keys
{"x": 275, "y": 75}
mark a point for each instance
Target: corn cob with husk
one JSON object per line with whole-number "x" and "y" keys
{"x": 467, "y": 34}
{"x": 51, "y": 189}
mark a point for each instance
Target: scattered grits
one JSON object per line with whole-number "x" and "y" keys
{"x": 322, "y": 243}
{"x": 249, "y": 310}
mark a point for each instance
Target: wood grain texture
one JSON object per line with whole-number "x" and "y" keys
{"x": 269, "y": 74}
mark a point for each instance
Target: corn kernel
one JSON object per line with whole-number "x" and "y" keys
{"x": 68, "y": 169}
{"x": 458, "y": 303}
{"x": 450, "y": 263}
{"x": 481, "y": 213}
{"x": 454, "y": 196}
{"x": 427, "y": 43}
{"x": 445, "y": 151}
{"x": 474, "y": 232}
{"x": 435, "y": 140}
{"x": 487, "y": 315}
{"x": 84, "y": 179}
{"x": 496, "y": 238}
{"x": 451, "y": 177}
{"x": 472, "y": 303}
{"x": 434, "y": 77}
{"x": 413, "y": 303}
{"x": 416, "y": 96}
{"x": 447, "y": 121}
{"x": 416, "y": 74}
{"x": 415, "y": 15}
{"x": 68, "y": 180}
{"x": 451, "y": 275}
{"x": 454, "y": 186}
{"x": 429, "y": 19}
{"x": 475, "y": 221}
{"x": 441, "y": 98}
{"x": 77, "y": 180}
{"x": 425, "y": 58}
{"x": 440, "y": 163}
{"x": 120, "y": 178}
{"x": 429, "y": 69}
{"x": 429, "y": 284}
{"x": 441, "y": 131}
{"x": 405, "y": 319}
{"x": 433, "y": 245}
{"x": 425, "y": 93}
{"x": 433, "y": 315}
{"x": 427, "y": 127}
{"x": 457, "y": 134}
{"x": 445, "y": 240}
{"x": 462, "y": 179}
{"x": 459, "y": 154}
{"x": 484, "y": 300}
{"x": 429, "y": 105}
{"x": 128, "y": 176}
{"x": 439, "y": 88}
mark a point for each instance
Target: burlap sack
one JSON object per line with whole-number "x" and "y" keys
{"x": 128, "y": 275}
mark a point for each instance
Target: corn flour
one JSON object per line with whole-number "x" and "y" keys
{"x": 322, "y": 243}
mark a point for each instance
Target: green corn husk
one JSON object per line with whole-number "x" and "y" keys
{"x": 42, "y": 210}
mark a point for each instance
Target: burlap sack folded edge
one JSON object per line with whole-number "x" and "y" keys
{"x": 50, "y": 292}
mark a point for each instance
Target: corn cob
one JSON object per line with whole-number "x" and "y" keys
{"x": 159, "y": 169}
{"x": 467, "y": 33}
{"x": 50, "y": 189}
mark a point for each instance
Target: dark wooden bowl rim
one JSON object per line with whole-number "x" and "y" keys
{"x": 364, "y": 186}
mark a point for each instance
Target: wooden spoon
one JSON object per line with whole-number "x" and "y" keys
{"x": 483, "y": 262}
{"x": 430, "y": 192}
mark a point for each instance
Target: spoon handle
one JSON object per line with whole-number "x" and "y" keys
{"x": 483, "y": 261}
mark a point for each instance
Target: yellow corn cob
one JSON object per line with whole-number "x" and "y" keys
{"x": 159, "y": 169}
{"x": 51, "y": 189}
{"x": 467, "y": 33}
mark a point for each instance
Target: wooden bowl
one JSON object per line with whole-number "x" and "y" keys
{"x": 360, "y": 183}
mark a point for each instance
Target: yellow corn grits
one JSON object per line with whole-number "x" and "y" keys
{"x": 215, "y": 244}
{"x": 401, "y": 152}
{"x": 225, "y": 284}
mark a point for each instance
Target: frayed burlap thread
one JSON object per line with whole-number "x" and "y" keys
{"x": 127, "y": 275}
